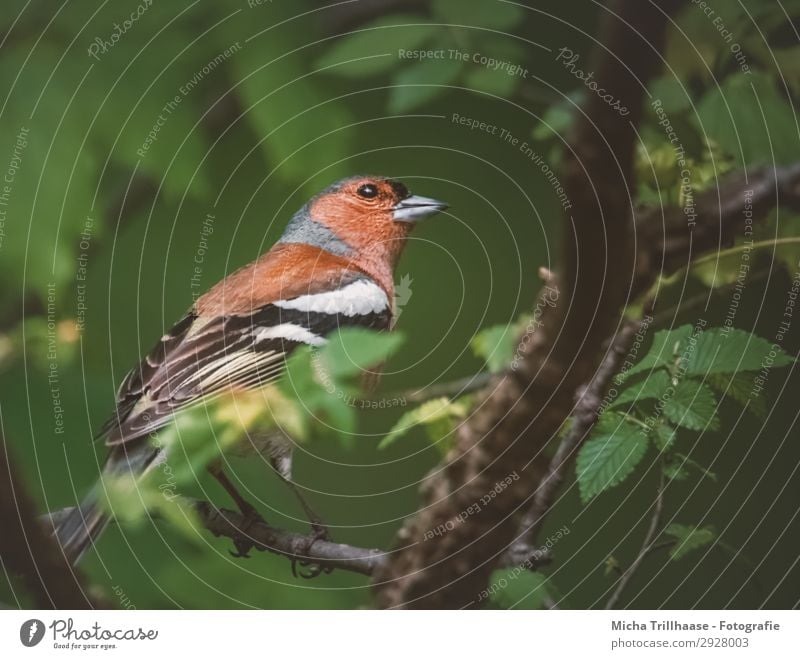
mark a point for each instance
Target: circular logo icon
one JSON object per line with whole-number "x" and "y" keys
{"x": 31, "y": 632}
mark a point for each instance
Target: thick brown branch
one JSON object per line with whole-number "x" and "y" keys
{"x": 516, "y": 420}
{"x": 26, "y": 548}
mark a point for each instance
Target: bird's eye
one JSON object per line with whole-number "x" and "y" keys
{"x": 368, "y": 191}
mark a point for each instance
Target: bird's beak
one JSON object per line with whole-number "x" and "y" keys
{"x": 416, "y": 208}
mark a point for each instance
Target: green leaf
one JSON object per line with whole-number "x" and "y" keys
{"x": 496, "y": 346}
{"x": 738, "y": 387}
{"x": 559, "y": 117}
{"x": 318, "y": 394}
{"x": 653, "y": 386}
{"x": 672, "y": 93}
{"x": 439, "y": 415}
{"x": 374, "y": 48}
{"x": 421, "y": 82}
{"x": 518, "y": 588}
{"x": 715, "y": 350}
{"x": 692, "y": 406}
{"x": 608, "y": 459}
{"x": 721, "y": 350}
{"x": 664, "y": 436}
{"x": 675, "y": 470}
{"x": 485, "y": 14}
{"x": 688, "y": 538}
{"x": 666, "y": 346}
{"x": 289, "y": 110}
{"x": 750, "y": 120}
{"x": 351, "y": 351}
{"x": 495, "y": 83}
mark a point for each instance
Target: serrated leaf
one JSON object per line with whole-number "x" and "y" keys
{"x": 374, "y": 48}
{"x": 485, "y": 14}
{"x": 351, "y": 351}
{"x": 664, "y": 436}
{"x": 688, "y": 538}
{"x": 715, "y": 350}
{"x": 692, "y": 406}
{"x": 421, "y": 82}
{"x": 729, "y": 351}
{"x": 607, "y": 460}
{"x": 430, "y": 413}
{"x": 666, "y": 346}
{"x": 653, "y": 386}
{"x": 675, "y": 470}
{"x": 738, "y": 387}
{"x": 496, "y": 346}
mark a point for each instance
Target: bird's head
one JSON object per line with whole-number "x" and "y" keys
{"x": 361, "y": 216}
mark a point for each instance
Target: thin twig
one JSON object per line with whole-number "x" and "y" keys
{"x": 648, "y": 545}
{"x": 583, "y": 421}
{"x": 457, "y": 387}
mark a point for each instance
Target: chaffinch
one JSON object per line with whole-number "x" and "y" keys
{"x": 332, "y": 267}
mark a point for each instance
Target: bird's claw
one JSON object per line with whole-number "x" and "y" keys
{"x": 243, "y": 542}
{"x": 319, "y": 533}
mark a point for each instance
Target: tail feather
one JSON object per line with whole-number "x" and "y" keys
{"x": 80, "y": 527}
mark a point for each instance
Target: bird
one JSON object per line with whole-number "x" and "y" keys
{"x": 332, "y": 267}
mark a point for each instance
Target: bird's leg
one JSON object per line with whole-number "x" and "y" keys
{"x": 281, "y": 460}
{"x": 243, "y": 543}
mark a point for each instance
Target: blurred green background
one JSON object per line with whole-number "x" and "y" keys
{"x": 259, "y": 107}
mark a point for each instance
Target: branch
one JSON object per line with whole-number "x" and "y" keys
{"x": 459, "y": 387}
{"x": 647, "y": 546}
{"x": 668, "y": 243}
{"x": 515, "y": 422}
{"x": 585, "y": 417}
{"x": 28, "y": 550}
{"x": 294, "y": 546}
